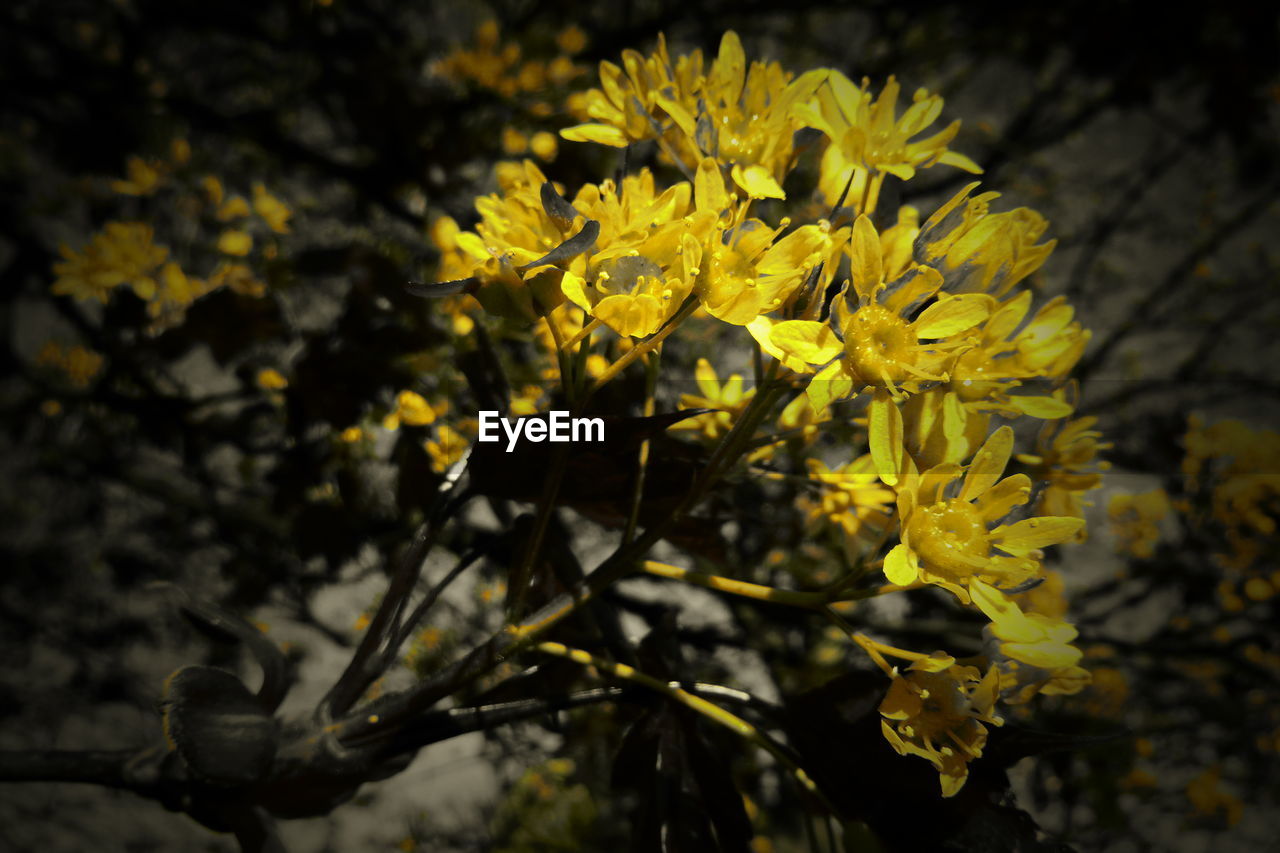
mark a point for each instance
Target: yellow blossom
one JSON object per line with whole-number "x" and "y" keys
{"x": 143, "y": 178}
{"x": 982, "y": 252}
{"x": 728, "y": 399}
{"x": 937, "y": 710}
{"x": 879, "y": 347}
{"x": 1030, "y": 638}
{"x": 571, "y": 39}
{"x": 273, "y": 211}
{"x": 741, "y": 116}
{"x": 1066, "y": 461}
{"x": 238, "y": 278}
{"x": 946, "y": 540}
{"x": 412, "y": 409}
{"x": 1208, "y": 797}
{"x": 1135, "y": 521}
{"x": 270, "y": 379}
{"x": 544, "y": 146}
{"x": 81, "y": 365}
{"x": 446, "y": 448}
{"x": 235, "y": 242}
{"x": 122, "y": 253}
{"x": 234, "y": 207}
{"x": 868, "y": 139}
{"x": 852, "y": 498}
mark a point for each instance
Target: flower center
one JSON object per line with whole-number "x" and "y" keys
{"x": 950, "y": 537}
{"x": 944, "y": 703}
{"x": 879, "y": 343}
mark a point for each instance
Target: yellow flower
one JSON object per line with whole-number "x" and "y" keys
{"x": 625, "y": 105}
{"x": 513, "y": 141}
{"x": 238, "y": 277}
{"x": 351, "y": 435}
{"x": 80, "y": 365}
{"x": 544, "y": 146}
{"x": 852, "y": 498}
{"x": 212, "y": 188}
{"x": 273, "y": 211}
{"x": 1207, "y": 796}
{"x": 936, "y": 710}
{"x": 1020, "y": 680}
{"x": 233, "y": 208}
{"x": 946, "y": 540}
{"x": 877, "y": 346}
{"x": 626, "y": 255}
{"x": 744, "y": 271}
{"x": 1066, "y": 460}
{"x": 868, "y": 139}
{"x": 143, "y": 178}
{"x": 1135, "y": 521}
{"x": 412, "y": 409}
{"x": 123, "y": 253}
{"x": 1030, "y": 638}
{"x": 1002, "y": 352}
{"x": 446, "y": 449}
{"x": 738, "y": 115}
{"x": 235, "y": 242}
{"x": 728, "y": 399}
{"x": 982, "y": 252}
{"x": 270, "y": 379}
{"x": 571, "y": 39}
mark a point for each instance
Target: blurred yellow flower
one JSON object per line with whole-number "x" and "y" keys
{"x": 270, "y": 379}
{"x": 235, "y": 242}
{"x": 412, "y": 409}
{"x": 143, "y": 178}
{"x": 122, "y": 253}
{"x": 1135, "y": 521}
{"x": 273, "y": 211}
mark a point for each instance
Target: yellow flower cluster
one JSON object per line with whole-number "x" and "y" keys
{"x": 927, "y": 322}
{"x": 1135, "y": 521}
{"x": 79, "y": 364}
{"x": 126, "y": 254}
{"x": 1235, "y": 470}
{"x": 501, "y": 67}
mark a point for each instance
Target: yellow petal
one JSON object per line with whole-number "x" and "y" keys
{"x": 574, "y": 287}
{"x": 708, "y": 187}
{"x": 1043, "y": 654}
{"x": 935, "y": 662}
{"x": 809, "y": 340}
{"x": 952, "y": 314}
{"x": 955, "y": 158}
{"x": 900, "y": 566}
{"x": 885, "y": 434}
{"x": 864, "y": 249}
{"x": 831, "y": 384}
{"x": 635, "y": 316}
{"x": 901, "y": 702}
{"x": 1006, "y": 617}
{"x": 1026, "y": 536}
{"x": 1004, "y": 496}
{"x": 235, "y": 242}
{"x": 757, "y": 182}
{"x": 603, "y": 134}
{"x": 1045, "y": 408}
{"x": 988, "y": 464}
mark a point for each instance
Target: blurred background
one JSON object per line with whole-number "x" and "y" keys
{"x": 238, "y": 443}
